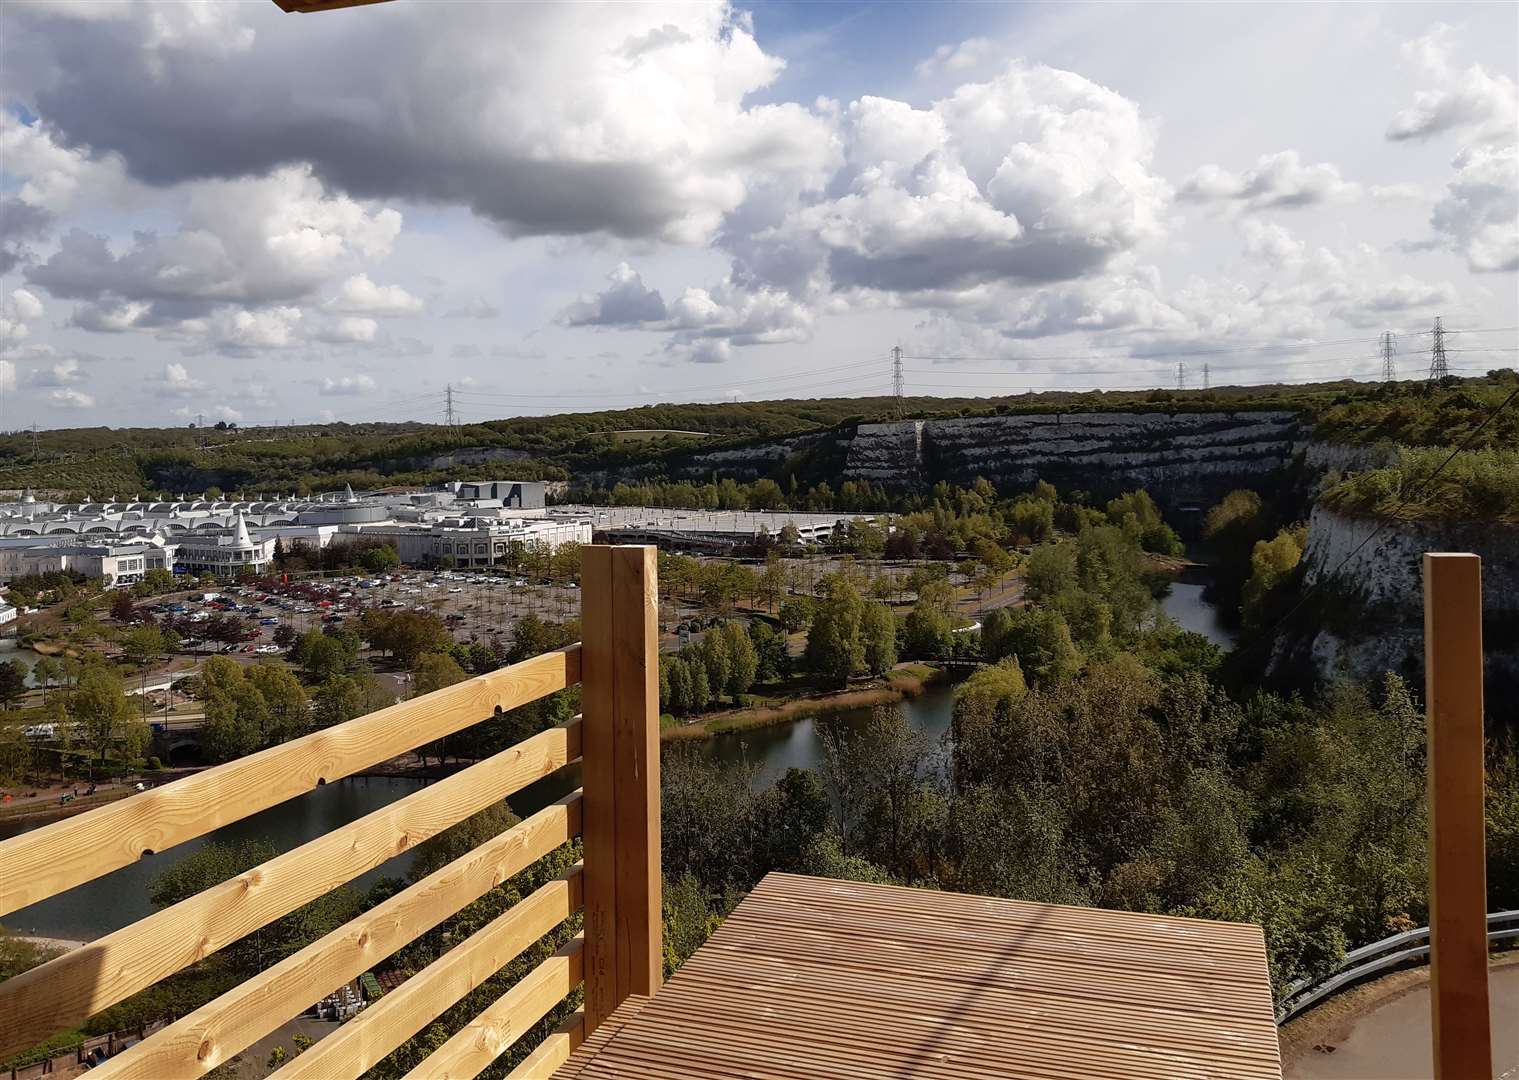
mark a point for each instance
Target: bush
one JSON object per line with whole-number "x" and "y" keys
{"x": 154, "y": 765}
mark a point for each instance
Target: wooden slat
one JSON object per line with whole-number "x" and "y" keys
{"x": 554, "y": 1050}
{"x": 386, "y": 1024}
{"x": 1462, "y": 1036}
{"x": 67, "y": 990}
{"x": 197, "y": 1043}
{"x": 812, "y": 979}
{"x": 507, "y": 1019}
{"x": 639, "y": 914}
{"x": 620, "y": 701}
{"x": 38, "y": 864}
{"x": 597, "y": 702}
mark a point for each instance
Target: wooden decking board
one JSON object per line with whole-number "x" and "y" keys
{"x": 812, "y": 979}
{"x": 1209, "y": 991}
{"x": 1019, "y": 1016}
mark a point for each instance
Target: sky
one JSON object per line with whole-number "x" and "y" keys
{"x": 218, "y": 211}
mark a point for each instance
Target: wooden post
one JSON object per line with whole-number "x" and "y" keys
{"x": 620, "y": 776}
{"x": 1458, "y": 878}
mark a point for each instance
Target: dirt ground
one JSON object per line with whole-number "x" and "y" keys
{"x": 1380, "y": 1031}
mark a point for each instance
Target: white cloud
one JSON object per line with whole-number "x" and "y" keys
{"x": 361, "y": 296}
{"x": 70, "y": 398}
{"x": 243, "y": 332}
{"x": 1477, "y": 215}
{"x": 627, "y": 301}
{"x": 346, "y": 385}
{"x": 550, "y": 119}
{"x": 64, "y": 373}
{"x": 1278, "y": 181}
{"x": 707, "y": 351}
{"x": 1483, "y": 105}
{"x": 177, "y": 381}
{"x": 349, "y": 329}
{"x": 20, "y": 308}
{"x": 251, "y": 242}
{"x": 958, "y": 59}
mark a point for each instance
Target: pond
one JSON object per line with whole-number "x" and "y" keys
{"x": 10, "y": 650}
{"x": 773, "y": 750}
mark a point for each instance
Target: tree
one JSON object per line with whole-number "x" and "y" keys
{"x": 878, "y": 631}
{"x": 928, "y": 630}
{"x": 122, "y": 609}
{"x": 834, "y": 649}
{"x": 142, "y": 645}
{"x": 772, "y": 581}
{"x": 322, "y": 656}
{"x": 13, "y": 675}
{"x": 796, "y": 614}
{"x": 343, "y": 697}
{"x": 743, "y": 659}
{"x": 15, "y": 753}
{"x": 434, "y": 671}
{"x": 285, "y": 711}
{"x": 100, "y": 707}
{"x": 773, "y": 659}
{"x": 45, "y": 672}
{"x": 380, "y": 558}
{"x": 1039, "y": 637}
{"x": 712, "y": 654}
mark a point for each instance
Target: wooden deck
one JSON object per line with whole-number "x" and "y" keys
{"x": 812, "y": 978}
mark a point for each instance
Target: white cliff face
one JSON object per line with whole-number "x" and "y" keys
{"x": 1383, "y": 586}
{"x": 1348, "y": 457}
{"x": 1181, "y": 455}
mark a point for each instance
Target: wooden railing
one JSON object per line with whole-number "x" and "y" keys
{"x": 616, "y": 884}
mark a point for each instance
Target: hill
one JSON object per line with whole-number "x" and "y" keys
{"x": 125, "y": 461}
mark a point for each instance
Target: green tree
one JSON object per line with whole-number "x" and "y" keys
{"x": 45, "y": 672}
{"x": 796, "y": 613}
{"x": 15, "y": 754}
{"x": 878, "y": 632}
{"x": 772, "y": 582}
{"x": 927, "y": 632}
{"x": 1039, "y": 637}
{"x": 834, "y": 649}
{"x": 142, "y": 644}
{"x": 743, "y": 658}
{"x": 380, "y": 559}
{"x": 13, "y": 675}
{"x": 107, "y": 719}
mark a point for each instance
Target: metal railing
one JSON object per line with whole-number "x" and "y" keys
{"x": 1380, "y": 957}
{"x": 616, "y": 885}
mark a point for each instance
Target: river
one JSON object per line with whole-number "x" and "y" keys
{"x": 1184, "y": 602}
{"x": 121, "y": 897}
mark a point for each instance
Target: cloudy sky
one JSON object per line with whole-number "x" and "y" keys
{"x": 216, "y": 209}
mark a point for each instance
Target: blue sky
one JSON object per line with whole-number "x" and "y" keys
{"x": 220, "y": 210}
